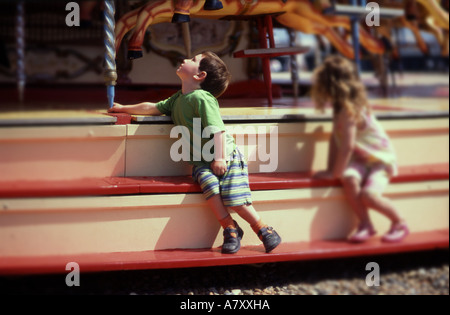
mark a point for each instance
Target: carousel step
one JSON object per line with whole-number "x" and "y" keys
{"x": 55, "y": 118}
{"x": 177, "y": 258}
{"x": 185, "y": 184}
{"x": 270, "y": 142}
{"x": 140, "y": 216}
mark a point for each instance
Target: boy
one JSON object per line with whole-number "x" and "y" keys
{"x": 223, "y": 177}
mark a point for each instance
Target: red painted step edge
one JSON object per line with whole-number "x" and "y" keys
{"x": 185, "y": 184}
{"x": 177, "y": 258}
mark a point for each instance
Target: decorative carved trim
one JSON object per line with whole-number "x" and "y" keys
{"x": 79, "y": 66}
{"x": 166, "y": 39}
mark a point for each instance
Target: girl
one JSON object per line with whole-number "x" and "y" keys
{"x": 360, "y": 152}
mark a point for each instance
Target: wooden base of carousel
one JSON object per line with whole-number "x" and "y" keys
{"x": 106, "y": 195}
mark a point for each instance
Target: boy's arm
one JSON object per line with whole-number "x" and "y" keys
{"x": 219, "y": 165}
{"x": 145, "y": 108}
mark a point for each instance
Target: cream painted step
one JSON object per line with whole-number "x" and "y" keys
{"x": 286, "y": 147}
{"x": 95, "y": 151}
{"x": 76, "y": 225}
{"x": 62, "y": 152}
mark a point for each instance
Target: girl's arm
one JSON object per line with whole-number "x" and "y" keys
{"x": 332, "y": 153}
{"x": 347, "y": 127}
{"x": 145, "y": 108}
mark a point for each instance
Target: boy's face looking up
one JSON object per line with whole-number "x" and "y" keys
{"x": 189, "y": 69}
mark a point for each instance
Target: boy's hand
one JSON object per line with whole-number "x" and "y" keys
{"x": 117, "y": 108}
{"x": 219, "y": 167}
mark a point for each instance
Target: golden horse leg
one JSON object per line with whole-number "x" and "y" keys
{"x": 124, "y": 25}
{"x": 304, "y": 25}
{"x": 151, "y": 13}
{"x": 420, "y": 41}
{"x": 309, "y": 12}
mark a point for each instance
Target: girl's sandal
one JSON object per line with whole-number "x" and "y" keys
{"x": 361, "y": 235}
{"x": 396, "y": 234}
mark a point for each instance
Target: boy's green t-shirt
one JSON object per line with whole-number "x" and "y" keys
{"x": 197, "y": 111}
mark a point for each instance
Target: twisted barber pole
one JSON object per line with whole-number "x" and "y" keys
{"x": 20, "y": 49}
{"x": 110, "y": 73}
{"x": 355, "y": 35}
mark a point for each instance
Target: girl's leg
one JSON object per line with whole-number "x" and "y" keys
{"x": 352, "y": 180}
{"x": 372, "y": 194}
{"x": 372, "y": 197}
{"x": 381, "y": 204}
{"x": 352, "y": 191}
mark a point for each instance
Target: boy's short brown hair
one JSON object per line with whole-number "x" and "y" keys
{"x": 217, "y": 74}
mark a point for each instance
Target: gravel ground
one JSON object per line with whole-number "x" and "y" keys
{"x": 422, "y": 273}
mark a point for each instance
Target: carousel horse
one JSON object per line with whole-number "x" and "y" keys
{"x": 434, "y": 19}
{"x": 301, "y": 15}
{"x": 421, "y": 15}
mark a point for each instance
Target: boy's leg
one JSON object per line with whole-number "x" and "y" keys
{"x": 249, "y": 214}
{"x": 211, "y": 190}
{"x": 209, "y": 183}
{"x": 220, "y": 211}
{"x": 232, "y": 233}
{"x": 266, "y": 234}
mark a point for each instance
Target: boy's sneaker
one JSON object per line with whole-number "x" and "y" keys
{"x": 270, "y": 238}
{"x": 232, "y": 239}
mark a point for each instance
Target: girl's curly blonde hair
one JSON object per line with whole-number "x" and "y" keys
{"x": 336, "y": 82}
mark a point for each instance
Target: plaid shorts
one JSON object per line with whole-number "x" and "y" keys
{"x": 233, "y": 186}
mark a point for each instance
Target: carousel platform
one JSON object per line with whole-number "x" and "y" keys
{"x": 99, "y": 190}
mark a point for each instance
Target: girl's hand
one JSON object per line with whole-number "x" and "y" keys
{"x": 219, "y": 167}
{"x": 117, "y": 108}
{"x": 323, "y": 175}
